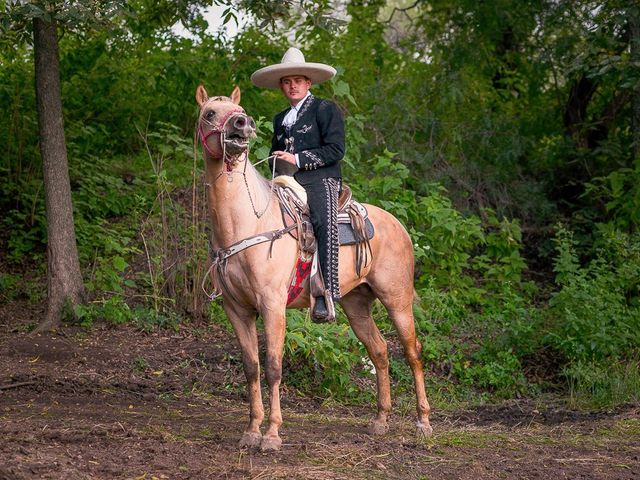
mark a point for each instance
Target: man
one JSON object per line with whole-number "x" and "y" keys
{"x": 308, "y": 138}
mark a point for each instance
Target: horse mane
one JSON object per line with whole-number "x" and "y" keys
{"x": 262, "y": 182}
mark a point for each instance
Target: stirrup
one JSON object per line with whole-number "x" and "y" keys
{"x": 323, "y": 310}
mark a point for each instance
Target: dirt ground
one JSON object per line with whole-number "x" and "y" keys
{"x": 113, "y": 403}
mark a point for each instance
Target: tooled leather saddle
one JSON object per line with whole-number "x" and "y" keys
{"x": 354, "y": 228}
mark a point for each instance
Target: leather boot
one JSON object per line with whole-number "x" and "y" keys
{"x": 320, "y": 313}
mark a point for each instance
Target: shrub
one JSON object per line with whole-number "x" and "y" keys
{"x": 116, "y": 311}
{"x": 9, "y": 283}
{"x": 500, "y": 372}
{"x": 322, "y": 357}
{"x": 595, "y": 317}
{"x": 113, "y": 310}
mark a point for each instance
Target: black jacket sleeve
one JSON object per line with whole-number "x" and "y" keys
{"x": 331, "y": 145}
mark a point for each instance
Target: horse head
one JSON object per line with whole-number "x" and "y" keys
{"x": 223, "y": 126}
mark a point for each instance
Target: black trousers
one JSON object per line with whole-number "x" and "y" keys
{"x": 322, "y": 197}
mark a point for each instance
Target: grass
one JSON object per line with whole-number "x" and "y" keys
{"x": 601, "y": 387}
{"x": 625, "y": 428}
{"x": 466, "y": 438}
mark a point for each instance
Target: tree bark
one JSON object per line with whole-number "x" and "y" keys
{"x": 575, "y": 112}
{"x": 64, "y": 280}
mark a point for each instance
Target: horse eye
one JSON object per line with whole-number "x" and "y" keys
{"x": 209, "y": 115}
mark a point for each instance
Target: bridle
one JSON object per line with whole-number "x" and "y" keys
{"x": 220, "y": 256}
{"x": 228, "y": 160}
{"x": 220, "y": 127}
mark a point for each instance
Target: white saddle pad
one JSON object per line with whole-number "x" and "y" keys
{"x": 289, "y": 181}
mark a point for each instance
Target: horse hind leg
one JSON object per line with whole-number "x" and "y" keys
{"x": 402, "y": 318}
{"x": 357, "y": 306}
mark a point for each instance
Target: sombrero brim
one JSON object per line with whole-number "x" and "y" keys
{"x": 269, "y": 77}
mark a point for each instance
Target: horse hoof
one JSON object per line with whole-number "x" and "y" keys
{"x": 270, "y": 444}
{"x": 423, "y": 431}
{"x": 250, "y": 439}
{"x": 378, "y": 428}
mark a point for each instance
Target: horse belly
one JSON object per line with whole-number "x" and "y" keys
{"x": 347, "y": 269}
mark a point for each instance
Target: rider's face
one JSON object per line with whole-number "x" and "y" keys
{"x": 295, "y": 87}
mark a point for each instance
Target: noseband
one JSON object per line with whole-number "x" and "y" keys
{"x": 220, "y": 128}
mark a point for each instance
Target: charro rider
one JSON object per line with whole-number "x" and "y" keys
{"x": 309, "y": 137}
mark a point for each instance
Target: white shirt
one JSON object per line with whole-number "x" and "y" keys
{"x": 291, "y": 117}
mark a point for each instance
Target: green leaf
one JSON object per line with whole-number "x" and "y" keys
{"x": 119, "y": 263}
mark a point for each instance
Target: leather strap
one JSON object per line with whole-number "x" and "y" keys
{"x": 220, "y": 256}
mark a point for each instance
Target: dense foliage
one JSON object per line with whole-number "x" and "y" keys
{"x": 500, "y": 133}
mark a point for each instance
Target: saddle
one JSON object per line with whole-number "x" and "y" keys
{"x": 354, "y": 228}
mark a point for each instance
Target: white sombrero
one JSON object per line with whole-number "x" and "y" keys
{"x": 292, "y": 63}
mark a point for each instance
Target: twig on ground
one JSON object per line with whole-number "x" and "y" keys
{"x": 16, "y": 385}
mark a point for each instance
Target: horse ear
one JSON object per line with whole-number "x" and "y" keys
{"x": 235, "y": 95}
{"x": 201, "y": 95}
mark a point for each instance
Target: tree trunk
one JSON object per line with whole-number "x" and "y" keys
{"x": 575, "y": 112}
{"x": 64, "y": 280}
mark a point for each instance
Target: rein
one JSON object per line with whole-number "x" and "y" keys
{"x": 246, "y": 183}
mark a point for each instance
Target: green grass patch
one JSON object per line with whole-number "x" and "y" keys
{"x": 628, "y": 427}
{"x": 599, "y": 385}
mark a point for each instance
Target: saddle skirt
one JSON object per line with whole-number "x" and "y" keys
{"x": 354, "y": 228}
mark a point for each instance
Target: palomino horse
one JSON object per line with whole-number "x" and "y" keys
{"x": 242, "y": 205}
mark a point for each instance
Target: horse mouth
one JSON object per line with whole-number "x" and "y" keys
{"x": 236, "y": 141}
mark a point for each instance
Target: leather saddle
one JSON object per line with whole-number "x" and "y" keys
{"x": 354, "y": 226}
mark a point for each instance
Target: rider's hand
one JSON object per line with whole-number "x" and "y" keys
{"x": 286, "y": 156}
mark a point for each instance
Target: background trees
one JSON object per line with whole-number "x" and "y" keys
{"x": 500, "y": 133}
{"x": 64, "y": 280}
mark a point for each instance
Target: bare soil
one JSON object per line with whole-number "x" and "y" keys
{"x": 114, "y": 403}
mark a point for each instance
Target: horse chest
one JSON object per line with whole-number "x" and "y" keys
{"x": 255, "y": 272}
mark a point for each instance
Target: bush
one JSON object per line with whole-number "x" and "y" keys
{"x": 9, "y": 283}
{"x": 116, "y": 311}
{"x": 321, "y": 358}
{"x": 500, "y": 372}
{"x": 595, "y": 316}
{"x": 113, "y": 310}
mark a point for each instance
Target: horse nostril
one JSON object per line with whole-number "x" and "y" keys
{"x": 252, "y": 123}
{"x": 240, "y": 122}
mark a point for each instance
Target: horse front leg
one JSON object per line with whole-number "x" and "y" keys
{"x": 274, "y": 327}
{"x": 244, "y": 324}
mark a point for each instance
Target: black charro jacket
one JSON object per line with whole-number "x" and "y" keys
{"x": 317, "y": 137}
